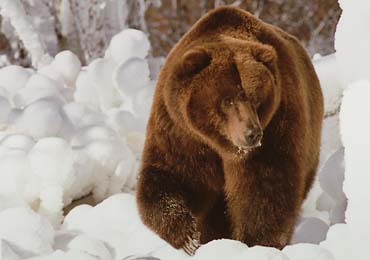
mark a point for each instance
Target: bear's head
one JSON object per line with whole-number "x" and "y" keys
{"x": 225, "y": 92}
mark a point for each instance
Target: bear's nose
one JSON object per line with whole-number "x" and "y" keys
{"x": 253, "y": 136}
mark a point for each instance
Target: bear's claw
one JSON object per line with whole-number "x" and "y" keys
{"x": 192, "y": 244}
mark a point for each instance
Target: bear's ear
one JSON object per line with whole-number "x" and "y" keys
{"x": 264, "y": 54}
{"x": 192, "y": 62}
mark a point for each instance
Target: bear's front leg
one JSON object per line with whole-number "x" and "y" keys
{"x": 263, "y": 201}
{"x": 163, "y": 203}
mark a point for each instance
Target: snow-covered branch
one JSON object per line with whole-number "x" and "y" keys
{"x": 14, "y": 11}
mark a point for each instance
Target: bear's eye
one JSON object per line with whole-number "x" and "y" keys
{"x": 227, "y": 102}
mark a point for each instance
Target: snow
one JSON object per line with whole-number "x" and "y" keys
{"x": 305, "y": 251}
{"x": 127, "y": 44}
{"x": 100, "y": 75}
{"x": 352, "y": 41}
{"x": 68, "y": 65}
{"x": 40, "y": 119}
{"x": 64, "y": 135}
{"x": 355, "y": 126}
{"x": 68, "y": 131}
{"x": 13, "y": 78}
{"x": 133, "y": 72}
{"x": 14, "y": 11}
{"x": 31, "y": 232}
{"x": 311, "y": 230}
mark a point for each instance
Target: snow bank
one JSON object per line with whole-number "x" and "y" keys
{"x": 352, "y": 40}
{"x": 69, "y": 131}
{"x": 351, "y": 240}
{"x": 355, "y": 128}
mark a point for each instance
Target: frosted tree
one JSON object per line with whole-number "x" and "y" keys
{"x": 85, "y": 27}
{"x": 14, "y": 11}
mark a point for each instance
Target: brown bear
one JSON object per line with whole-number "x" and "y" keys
{"x": 233, "y": 138}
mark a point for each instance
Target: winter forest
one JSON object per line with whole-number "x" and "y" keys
{"x": 76, "y": 86}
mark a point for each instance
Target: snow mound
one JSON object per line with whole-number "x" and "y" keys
{"x": 355, "y": 127}
{"x": 68, "y": 131}
{"x": 127, "y": 44}
{"x": 352, "y": 40}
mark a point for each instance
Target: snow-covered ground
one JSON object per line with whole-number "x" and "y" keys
{"x": 67, "y": 132}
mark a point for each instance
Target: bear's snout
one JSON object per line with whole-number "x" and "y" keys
{"x": 253, "y": 137}
{"x": 250, "y": 137}
{"x": 243, "y": 127}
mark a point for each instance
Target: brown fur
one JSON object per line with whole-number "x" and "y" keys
{"x": 202, "y": 174}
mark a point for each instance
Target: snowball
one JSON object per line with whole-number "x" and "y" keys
{"x": 75, "y": 112}
{"x": 85, "y": 92}
{"x": 132, "y": 75}
{"x": 92, "y": 118}
{"x": 41, "y": 119}
{"x": 50, "y": 72}
{"x": 81, "y": 116}
{"x": 127, "y": 44}
{"x": 41, "y": 81}
{"x": 124, "y": 175}
{"x": 18, "y": 141}
{"x": 62, "y": 239}
{"x": 89, "y": 134}
{"x": 309, "y": 207}
{"x": 337, "y": 212}
{"x": 28, "y": 95}
{"x": 100, "y": 75}
{"x": 124, "y": 122}
{"x": 221, "y": 249}
{"x": 13, "y": 78}
{"x": 14, "y": 172}
{"x": 5, "y": 109}
{"x": 231, "y": 249}
{"x": 307, "y": 252}
{"x": 90, "y": 246}
{"x": 115, "y": 221}
{"x": 310, "y": 230}
{"x": 27, "y": 230}
{"x": 330, "y": 139}
{"x": 5, "y": 93}
{"x": 332, "y": 88}
{"x": 325, "y": 202}
{"x": 105, "y": 156}
{"x": 68, "y": 65}
{"x": 52, "y": 159}
{"x": 6, "y": 251}
{"x": 10, "y": 200}
{"x": 332, "y": 175}
{"x": 331, "y": 180}
{"x": 143, "y": 102}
